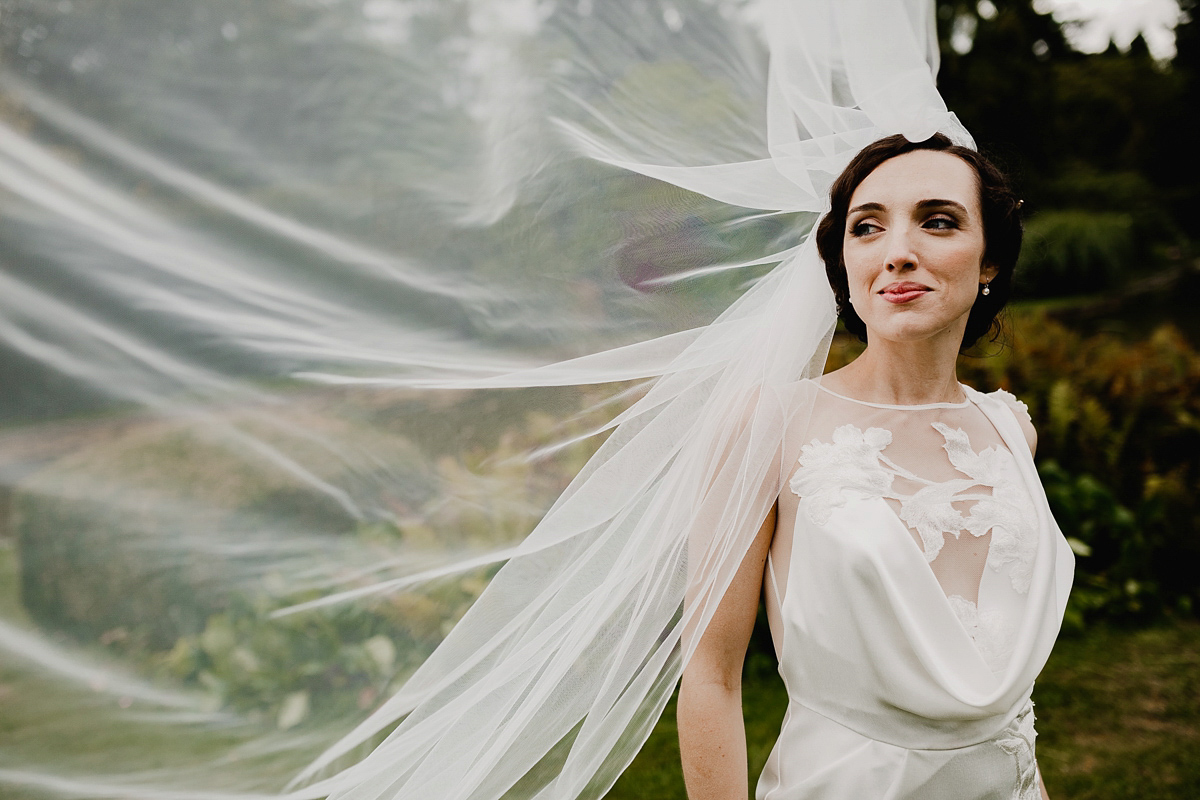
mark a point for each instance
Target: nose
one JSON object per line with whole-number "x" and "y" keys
{"x": 900, "y": 252}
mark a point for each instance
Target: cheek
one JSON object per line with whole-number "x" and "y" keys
{"x": 961, "y": 267}
{"x": 858, "y": 275}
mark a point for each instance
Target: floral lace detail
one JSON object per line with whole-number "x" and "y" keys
{"x": 850, "y": 463}
{"x": 854, "y": 465}
{"x": 1018, "y": 741}
{"x": 992, "y": 635}
{"x": 1011, "y": 400}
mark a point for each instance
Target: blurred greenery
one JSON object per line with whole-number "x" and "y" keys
{"x": 1101, "y": 146}
{"x": 1064, "y": 250}
{"x": 100, "y": 531}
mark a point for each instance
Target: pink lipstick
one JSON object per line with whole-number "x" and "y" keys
{"x": 903, "y": 291}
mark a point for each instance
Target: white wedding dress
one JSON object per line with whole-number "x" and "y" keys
{"x": 915, "y": 586}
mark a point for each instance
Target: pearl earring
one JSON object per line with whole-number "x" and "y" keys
{"x": 985, "y": 290}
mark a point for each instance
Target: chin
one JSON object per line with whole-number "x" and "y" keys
{"x": 908, "y": 331}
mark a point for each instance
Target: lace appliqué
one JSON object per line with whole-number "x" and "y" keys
{"x": 854, "y": 465}
{"x": 1011, "y": 400}
{"x": 992, "y": 635}
{"x": 1018, "y": 741}
{"x": 831, "y": 471}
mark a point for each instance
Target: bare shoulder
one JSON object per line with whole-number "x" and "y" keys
{"x": 1021, "y": 412}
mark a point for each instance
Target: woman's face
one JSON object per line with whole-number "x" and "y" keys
{"x": 914, "y": 247}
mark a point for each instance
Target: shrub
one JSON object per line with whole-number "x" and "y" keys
{"x": 1070, "y": 251}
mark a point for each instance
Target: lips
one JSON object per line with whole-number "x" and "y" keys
{"x": 903, "y": 291}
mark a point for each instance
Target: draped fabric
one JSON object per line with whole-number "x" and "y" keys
{"x": 916, "y": 585}
{"x": 313, "y": 314}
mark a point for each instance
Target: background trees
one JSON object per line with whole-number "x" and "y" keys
{"x": 1106, "y": 134}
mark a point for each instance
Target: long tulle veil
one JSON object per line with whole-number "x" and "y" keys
{"x": 313, "y": 312}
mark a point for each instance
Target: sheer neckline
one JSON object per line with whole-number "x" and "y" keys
{"x": 961, "y": 404}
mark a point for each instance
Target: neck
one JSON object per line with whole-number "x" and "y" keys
{"x": 904, "y": 373}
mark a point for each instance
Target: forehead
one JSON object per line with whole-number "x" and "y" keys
{"x": 920, "y": 175}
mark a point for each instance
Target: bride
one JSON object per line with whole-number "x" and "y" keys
{"x": 914, "y": 578}
{"x": 913, "y": 575}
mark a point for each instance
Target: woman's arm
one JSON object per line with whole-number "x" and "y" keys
{"x": 712, "y": 732}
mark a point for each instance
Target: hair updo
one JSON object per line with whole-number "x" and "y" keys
{"x": 1002, "y": 229}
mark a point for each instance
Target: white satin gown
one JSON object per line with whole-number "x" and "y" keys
{"x": 915, "y": 587}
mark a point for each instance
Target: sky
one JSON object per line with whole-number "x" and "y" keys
{"x": 1119, "y": 21}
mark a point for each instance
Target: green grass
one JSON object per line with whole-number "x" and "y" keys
{"x": 1118, "y": 717}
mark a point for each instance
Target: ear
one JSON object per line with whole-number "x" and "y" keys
{"x": 987, "y": 272}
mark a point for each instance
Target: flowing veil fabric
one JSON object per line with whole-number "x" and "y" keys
{"x": 188, "y": 275}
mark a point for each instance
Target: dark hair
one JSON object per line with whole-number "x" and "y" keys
{"x": 1002, "y": 229}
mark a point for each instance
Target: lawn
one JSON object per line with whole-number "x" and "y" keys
{"x": 1118, "y": 717}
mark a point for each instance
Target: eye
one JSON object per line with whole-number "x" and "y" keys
{"x": 863, "y": 228}
{"x": 940, "y": 223}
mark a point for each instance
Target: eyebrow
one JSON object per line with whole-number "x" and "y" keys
{"x": 938, "y": 203}
{"x": 922, "y": 205}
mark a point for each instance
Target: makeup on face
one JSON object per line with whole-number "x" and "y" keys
{"x": 903, "y": 291}
{"x": 914, "y": 240}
